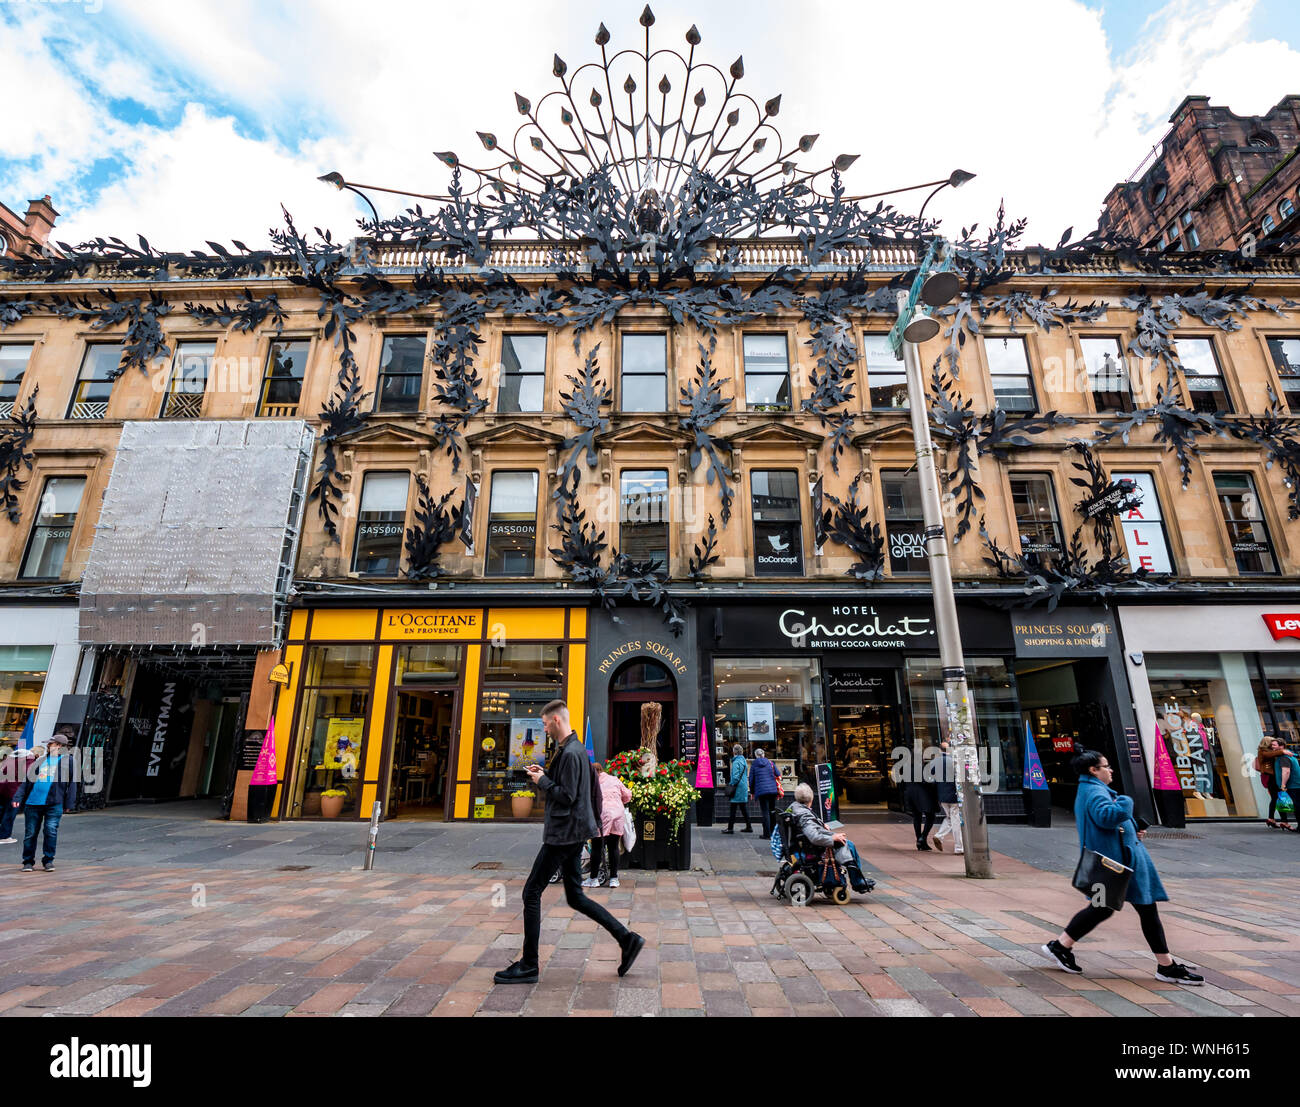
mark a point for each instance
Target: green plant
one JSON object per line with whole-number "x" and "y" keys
{"x": 667, "y": 791}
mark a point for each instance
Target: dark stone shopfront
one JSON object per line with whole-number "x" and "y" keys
{"x": 858, "y": 685}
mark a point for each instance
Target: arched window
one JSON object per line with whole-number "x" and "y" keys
{"x": 1267, "y": 224}
{"x": 1286, "y": 209}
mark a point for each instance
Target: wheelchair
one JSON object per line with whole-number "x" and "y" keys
{"x": 806, "y": 870}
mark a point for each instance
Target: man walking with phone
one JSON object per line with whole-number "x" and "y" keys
{"x": 570, "y": 821}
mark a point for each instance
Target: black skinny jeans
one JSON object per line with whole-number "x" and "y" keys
{"x": 740, "y": 809}
{"x": 767, "y": 806}
{"x": 568, "y": 859}
{"x": 610, "y": 844}
{"x": 922, "y": 823}
{"x": 1091, "y": 917}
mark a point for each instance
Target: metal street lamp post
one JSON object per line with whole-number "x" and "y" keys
{"x": 935, "y": 290}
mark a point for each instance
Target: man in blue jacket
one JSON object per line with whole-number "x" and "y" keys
{"x": 570, "y": 820}
{"x": 48, "y": 789}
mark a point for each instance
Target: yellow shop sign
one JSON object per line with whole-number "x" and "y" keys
{"x": 428, "y": 623}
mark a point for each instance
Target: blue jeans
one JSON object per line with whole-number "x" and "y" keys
{"x": 34, "y": 815}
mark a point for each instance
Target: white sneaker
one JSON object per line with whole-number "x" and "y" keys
{"x": 613, "y": 883}
{"x": 589, "y": 883}
{"x": 7, "y": 841}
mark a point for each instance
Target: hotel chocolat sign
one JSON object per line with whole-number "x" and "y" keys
{"x": 1067, "y": 634}
{"x": 855, "y": 626}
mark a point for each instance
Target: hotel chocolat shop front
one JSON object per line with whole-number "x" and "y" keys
{"x": 858, "y": 685}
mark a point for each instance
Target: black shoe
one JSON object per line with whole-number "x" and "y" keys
{"x": 1061, "y": 957}
{"x": 28, "y": 867}
{"x": 632, "y": 945}
{"x": 1178, "y": 974}
{"x": 728, "y": 831}
{"x": 923, "y": 845}
{"x": 48, "y": 866}
{"x": 518, "y": 973}
{"x": 748, "y": 830}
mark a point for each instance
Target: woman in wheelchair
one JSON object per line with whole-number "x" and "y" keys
{"x": 828, "y": 858}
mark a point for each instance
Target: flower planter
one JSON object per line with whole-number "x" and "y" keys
{"x": 311, "y": 804}
{"x": 654, "y": 851}
{"x": 521, "y": 807}
{"x": 331, "y": 807}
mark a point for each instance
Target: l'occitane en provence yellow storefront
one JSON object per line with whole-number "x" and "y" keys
{"x": 433, "y": 712}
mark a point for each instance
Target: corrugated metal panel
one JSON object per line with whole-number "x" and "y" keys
{"x": 197, "y": 522}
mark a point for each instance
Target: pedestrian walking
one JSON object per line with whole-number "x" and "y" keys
{"x": 1105, "y": 823}
{"x": 1287, "y": 770}
{"x": 946, "y": 792}
{"x": 921, "y": 798}
{"x": 738, "y": 790}
{"x": 13, "y": 765}
{"x": 764, "y": 786}
{"x": 1269, "y": 749}
{"x": 570, "y": 820}
{"x": 614, "y": 798}
{"x": 43, "y": 796}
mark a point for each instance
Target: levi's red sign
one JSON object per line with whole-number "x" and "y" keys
{"x": 1283, "y": 626}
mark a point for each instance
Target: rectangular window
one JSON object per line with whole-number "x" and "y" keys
{"x": 99, "y": 368}
{"x": 1244, "y": 517}
{"x": 643, "y": 515}
{"x": 904, "y": 522}
{"x": 767, "y": 372}
{"x": 645, "y": 372}
{"x": 1203, "y": 376}
{"x": 191, "y": 368}
{"x": 886, "y": 378}
{"x": 773, "y": 704}
{"x": 22, "y": 679}
{"x": 1108, "y": 379}
{"x": 13, "y": 363}
{"x": 778, "y": 535}
{"x": 1286, "y": 360}
{"x": 512, "y": 525}
{"x": 523, "y": 372}
{"x": 56, "y": 517}
{"x": 1193, "y": 239}
{"x": 1037, "y": 520}
{"x": 381, "y": 523}
{"x": 518, "y": 681}
{"x": 401, "y": 373}
{"x": 1145, "y": 538}
{"x": 282, "y": 387}
{"x": 1009, "y": 370}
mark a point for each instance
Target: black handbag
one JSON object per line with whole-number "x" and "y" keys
{"x": 1102, "y": 879}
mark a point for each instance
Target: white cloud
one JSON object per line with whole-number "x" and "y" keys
{"x": 1026, "y": 93}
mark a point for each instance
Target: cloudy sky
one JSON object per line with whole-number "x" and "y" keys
{"x": 189, "y": 120}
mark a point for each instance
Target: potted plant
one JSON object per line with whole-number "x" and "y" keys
{"x": 521, "y": 803}
{"x": 331, "y": 802}
{"x": 660, "y": 802}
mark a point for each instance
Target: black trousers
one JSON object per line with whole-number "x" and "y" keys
{"x": 767, "y": 806}
{"x": 1091, "y": 917}
{"x": 568, "y": 860}
{"x": 609, "y": 844}
{"x": 740, "y": 809}
{"x": 922, "y": 823}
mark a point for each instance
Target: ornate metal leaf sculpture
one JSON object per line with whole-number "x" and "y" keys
{"x": 704, "y": 557}
{"x": 339, "y": 417}
{"x": 850, "y": 527}
{"x": 16, "y": 455}
{"x": 583, "y": 404}
{"x": 705, "y": 406}
{"x": 1177, "y": 428}
{"x": 433, "y": 527}
{"x": 1279, "y": 435}
{"x": 246, "y": 316}
{"x": 1109, "y": 497}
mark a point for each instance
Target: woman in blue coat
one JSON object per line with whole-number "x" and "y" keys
{"x": 762, "y": 783}
{"x": 1105, "y": 823}
{"x": 740, "y": 797}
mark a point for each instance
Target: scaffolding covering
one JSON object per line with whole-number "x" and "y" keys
{"x": 197, "y": 535}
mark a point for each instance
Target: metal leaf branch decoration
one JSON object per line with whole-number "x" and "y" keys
{"x": 850, "y": 527}
{"x": 704, "y": 557}
{"x": 1105, "y": 501}
{"x": 583, "y": 404}
{"x": 16, "y": 455}
{"x": 705, "y": 405}
{"x": 433, "y": 527}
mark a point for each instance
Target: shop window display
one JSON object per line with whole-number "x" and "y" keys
{"x": 865, "y": 730}
{"x": 22, "y": 677}
{"x": 1195, "y": 717}
{"x": 332, "y": 724}
{"x": 774, "y": 705}
{"x": 427, "y": 675}
{"x": 518, "y": 681}
{"x": 1276, "y": 685}
{"x": 996, "y": 709}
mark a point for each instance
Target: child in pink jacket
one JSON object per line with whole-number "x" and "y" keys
{"x": 614, "y": 797}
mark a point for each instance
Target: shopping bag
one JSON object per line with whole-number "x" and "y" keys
{"x": 1285, "y": 804}
{"x": 629, "y": 831}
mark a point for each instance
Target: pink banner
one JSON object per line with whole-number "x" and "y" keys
{"x": 1166, "y": 778}
{"x": 704, "y": 766}
{"x": 264, "y": 770}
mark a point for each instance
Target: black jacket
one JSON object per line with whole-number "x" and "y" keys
{"x": 567, "y": 787}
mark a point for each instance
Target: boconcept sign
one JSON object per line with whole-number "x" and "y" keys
{"x": 855, "y": 626}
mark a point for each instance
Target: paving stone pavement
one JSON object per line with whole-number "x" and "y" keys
{"x": 168, "y": 933}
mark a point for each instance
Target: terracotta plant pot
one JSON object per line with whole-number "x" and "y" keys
{"x": 521, "y": 807}
{"x": 311, "y": 803}
{"x": 331, "y": 807}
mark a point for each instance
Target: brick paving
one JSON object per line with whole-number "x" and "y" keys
{"x": 175, "y": 938}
